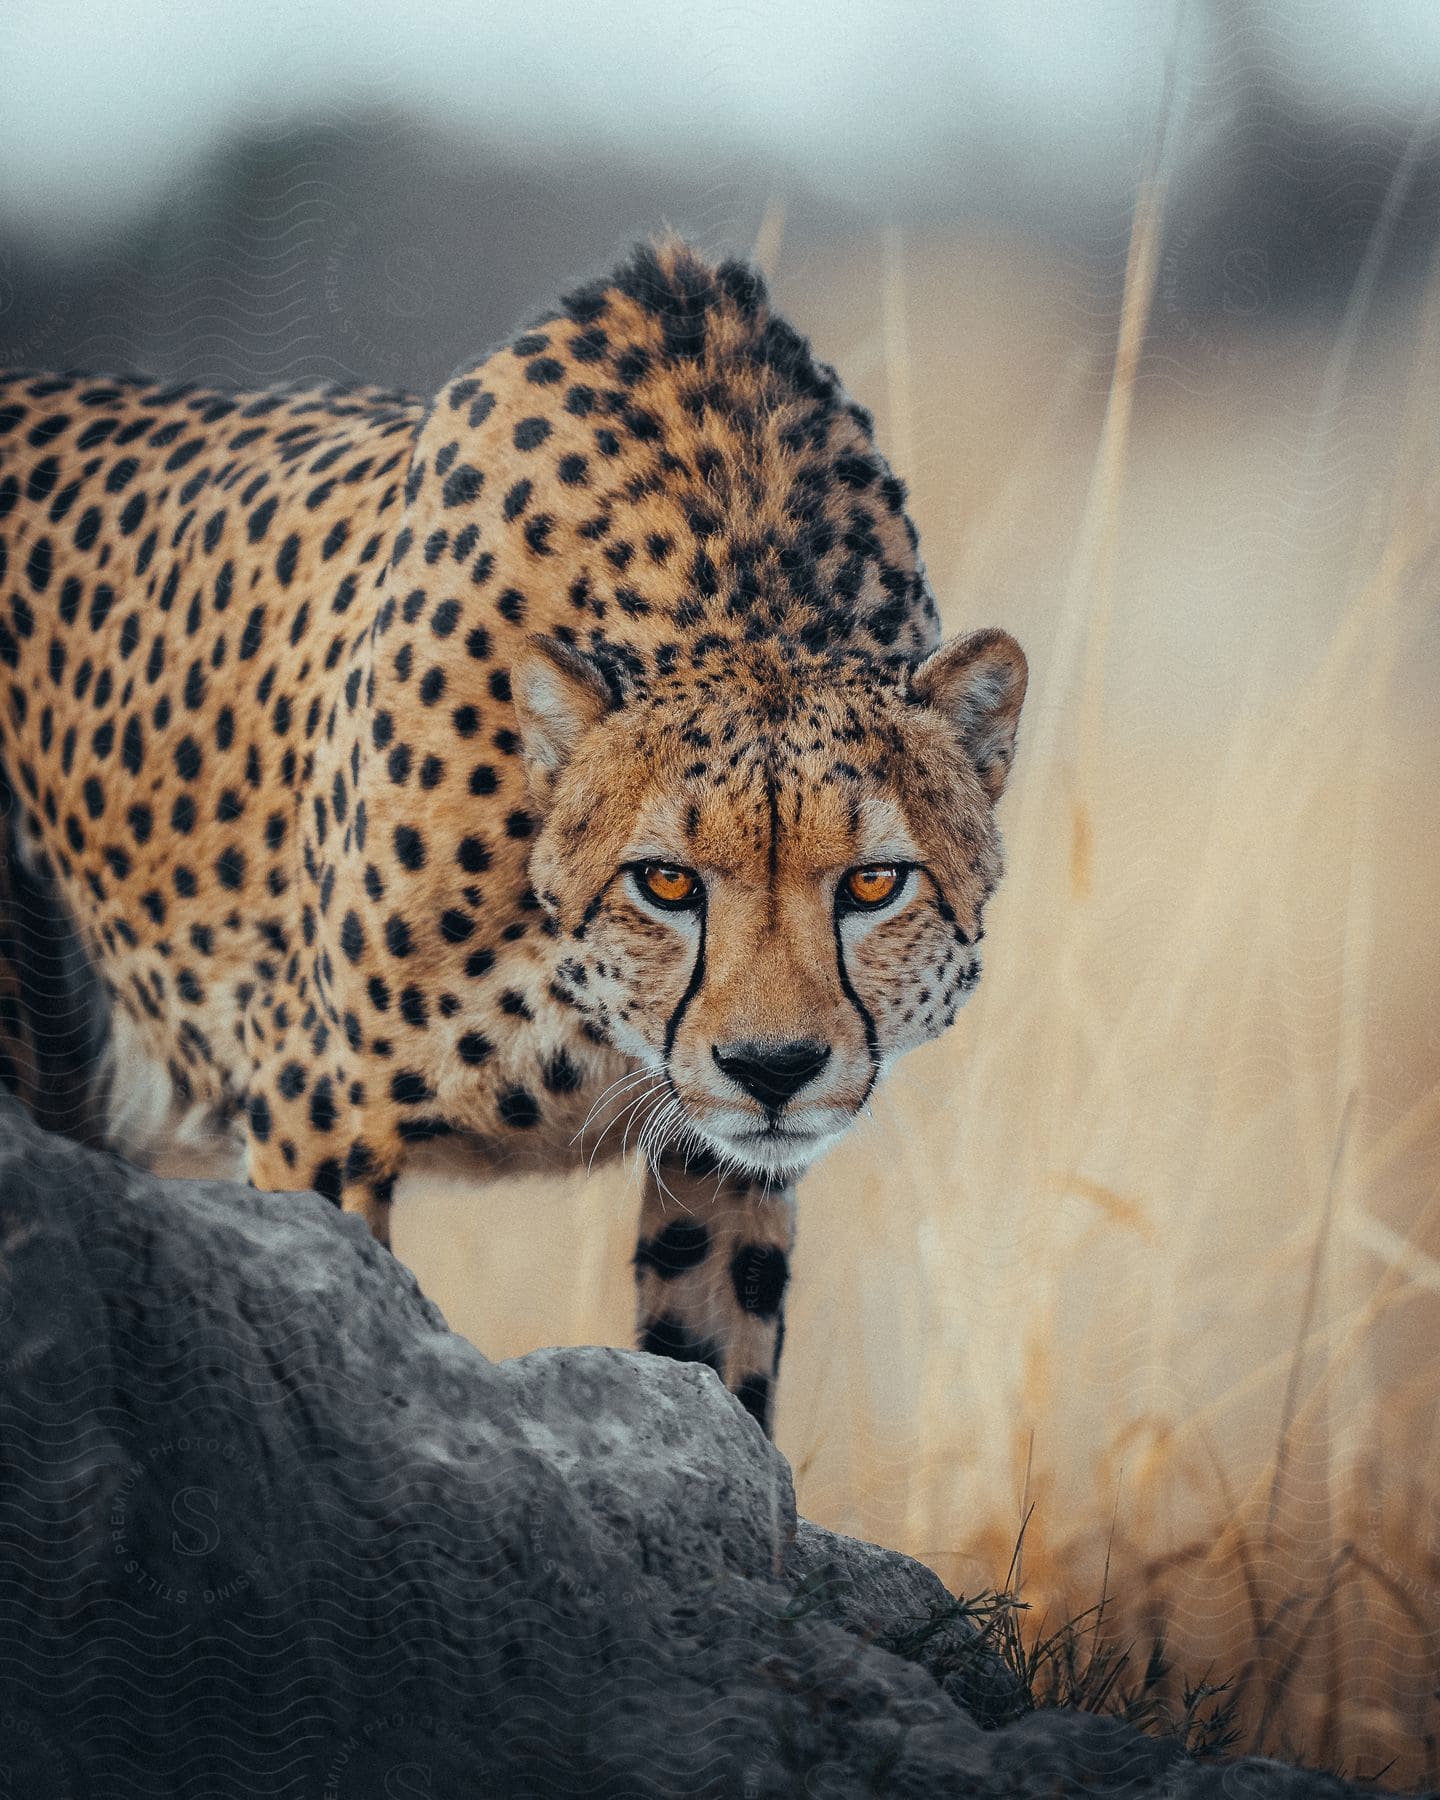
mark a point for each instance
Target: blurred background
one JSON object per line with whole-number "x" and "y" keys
{"x": 1147, "y": 1249}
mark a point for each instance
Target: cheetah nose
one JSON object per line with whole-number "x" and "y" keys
{"x": 771, "y": 1075}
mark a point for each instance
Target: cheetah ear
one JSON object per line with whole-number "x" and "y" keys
{"x": 559, "y": 694}
{"x": 978, "y": 683}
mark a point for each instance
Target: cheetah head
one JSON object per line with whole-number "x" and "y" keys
{"x": 769, "y": 873}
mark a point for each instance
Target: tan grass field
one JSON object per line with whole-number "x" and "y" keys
{"x": 1148, "y": 1245}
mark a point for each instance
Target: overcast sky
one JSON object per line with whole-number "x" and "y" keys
{"x": 851, "y": 93}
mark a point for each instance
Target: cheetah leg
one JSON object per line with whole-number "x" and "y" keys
{"x": 355, "y": 1179}
{"x": 711, "y": 1266}
{"x": 308, "y": 1126}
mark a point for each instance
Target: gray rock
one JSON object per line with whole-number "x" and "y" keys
{"x": 274, "y": 1530}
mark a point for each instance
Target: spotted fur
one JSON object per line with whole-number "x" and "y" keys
{"x": 345, "y": 726}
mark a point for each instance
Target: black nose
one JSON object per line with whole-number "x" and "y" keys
{"x": 772, "y": 1076}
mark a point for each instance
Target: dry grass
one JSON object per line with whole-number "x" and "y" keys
{"x": 1146, "y": 1248}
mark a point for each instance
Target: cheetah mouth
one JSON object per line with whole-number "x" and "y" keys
{"x": 779, "y": 1134}
{"x": 776, "y": 1149}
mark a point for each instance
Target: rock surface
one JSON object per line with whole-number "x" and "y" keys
{"x": 271, "y": 1529}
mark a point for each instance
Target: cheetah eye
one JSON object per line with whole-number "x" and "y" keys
{"x": 866, "y": 889}
{"x": 669, "y": 886}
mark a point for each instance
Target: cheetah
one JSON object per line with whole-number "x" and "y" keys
{"x": 576, "y": 745}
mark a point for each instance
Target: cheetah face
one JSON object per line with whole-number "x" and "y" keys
{"x": 769, "y": 880}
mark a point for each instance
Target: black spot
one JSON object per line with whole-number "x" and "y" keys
{"x": 456, "y": 925}
{"x": 474, "y": 1048}
{"x": 230, "y": 867}
{"x": 132, "y": 745}
{"x": 462, "y": 485}
{"x": 445, "y": 618}
{"x": 397, "y": 936}
{"x": 758, "y": 1273}
{"x": 753, "y": 1394}
{"x": 252, "y": 634}
{"x": 287, "y": 559}
{"x": 473, "y": 856}
{"x": 260, "y": 1118}
{"x": 409, "y": 847}
{"x": 409, "y": 1088}
{"x": 531, "y": 433}
{"x": 327, "y": 1180}
{"x": 589, "y": 346}
{"x": 519, "y": 1108}
{"x": 43, "y": 478}
{"x": 352, "y": 936}
{"x": 187, "y": 759}
{"x": 667, "y": 1336}
{"x": 259, "y": 521}
{"x": 292, "y": 1081}
{"x": 322, "y": 1104}
{"x": 359, "y": 1161}
{"x": 681, "y": 1246}
{"x": 39, "y": 564}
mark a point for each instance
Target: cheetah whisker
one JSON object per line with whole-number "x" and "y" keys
{"x": 616, "y": 1087}
{"x": 628, "y": 1115}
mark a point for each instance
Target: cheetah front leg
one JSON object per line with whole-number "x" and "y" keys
{"x": 711, "y": 1266}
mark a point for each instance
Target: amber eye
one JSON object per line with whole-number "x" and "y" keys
{"x": 669, "y": 886}
{"x": 871, "y": 887}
